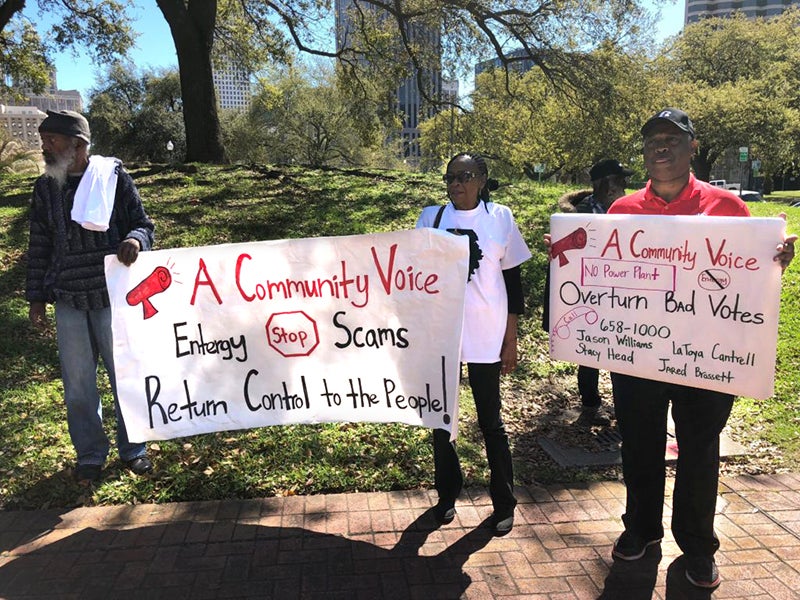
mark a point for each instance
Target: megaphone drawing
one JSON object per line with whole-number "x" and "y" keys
{"x": 155, "y": 283}
{"x": 573, "y": 241}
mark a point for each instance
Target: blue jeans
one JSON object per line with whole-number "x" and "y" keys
{"x": 83, "y": 336}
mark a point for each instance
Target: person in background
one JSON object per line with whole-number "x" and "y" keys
{"x": 494, "y": 300}
{"x": 609, "y": 179}
{"x": 641, "y": 405}
{"x": 83, "y": 208}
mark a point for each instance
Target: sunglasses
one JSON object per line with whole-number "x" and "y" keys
{"x": 462, "y": 177}
{"x": 663, "y": 141}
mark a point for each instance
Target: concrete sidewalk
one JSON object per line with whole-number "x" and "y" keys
{"x": 385, "y": 545}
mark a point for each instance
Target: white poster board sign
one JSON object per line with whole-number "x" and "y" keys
{"x": 688, "y": 300}
{"x": 340, "y": 329}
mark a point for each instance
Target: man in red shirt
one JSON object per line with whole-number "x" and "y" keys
{"x": 641, "y": 405}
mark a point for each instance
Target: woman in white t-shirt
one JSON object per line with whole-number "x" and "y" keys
{"x": 493, "y": 301}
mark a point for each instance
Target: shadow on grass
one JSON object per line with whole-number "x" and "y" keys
{"x": 57, "y": 490}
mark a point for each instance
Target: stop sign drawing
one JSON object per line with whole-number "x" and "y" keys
{"x": 292, "y": 333}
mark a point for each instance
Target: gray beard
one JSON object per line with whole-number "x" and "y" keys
{"x": 59, "y": 169}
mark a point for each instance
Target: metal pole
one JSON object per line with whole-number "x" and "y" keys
{"x": 741, "y": 178}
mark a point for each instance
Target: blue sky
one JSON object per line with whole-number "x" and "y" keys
{"x": 154, "y": 46}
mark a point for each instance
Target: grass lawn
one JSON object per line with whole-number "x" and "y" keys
{"x": 204, "y": 205}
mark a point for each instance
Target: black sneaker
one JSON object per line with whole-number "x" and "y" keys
{"x": 702, "y": 571}
{"x": 630, "y": 546}
{"x": 444, "y": 512}
{"x": 139, "y": 465}
{"x": 87, "y": 473}
{"x": 592, "y": 416}
{"x": 503, "y": 522}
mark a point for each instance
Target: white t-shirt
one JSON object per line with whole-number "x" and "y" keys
{"x": 495, "y": 244}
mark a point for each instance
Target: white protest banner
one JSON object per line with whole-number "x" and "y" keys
{"x": 688, "y": 300}
{"x": 339, "y": 329}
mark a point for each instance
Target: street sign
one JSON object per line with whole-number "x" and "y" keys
{"x": 743, "y": 150}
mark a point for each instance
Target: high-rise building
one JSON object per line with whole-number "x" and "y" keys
{"x": 699, "y": 9}
{"x": 411, "y": 103}
{"x": 233, "y": 86}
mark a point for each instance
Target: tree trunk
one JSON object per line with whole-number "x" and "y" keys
{"x": 702, "y": 165}
{"x": 192, "y": 27}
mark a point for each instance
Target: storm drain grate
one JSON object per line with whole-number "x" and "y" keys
{"x": 608, "y": 440}
{"x": 606, "y": 451}
{"x": 571, "y": 456}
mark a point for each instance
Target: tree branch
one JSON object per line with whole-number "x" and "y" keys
{"x": 7, "y": 11}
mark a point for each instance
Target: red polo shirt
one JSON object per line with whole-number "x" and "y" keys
{"x": 697, "y": 198}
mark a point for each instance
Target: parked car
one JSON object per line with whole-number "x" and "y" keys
{"x": 746, "y": 195}
{"x": 750, "y": 196}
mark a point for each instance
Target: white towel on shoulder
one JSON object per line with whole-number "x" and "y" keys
{"x": 94, "y": 198}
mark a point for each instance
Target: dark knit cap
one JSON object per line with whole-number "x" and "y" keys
{"x": 66, "y": 122}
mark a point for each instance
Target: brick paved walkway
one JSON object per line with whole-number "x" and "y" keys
{"x": 384, "y": 545}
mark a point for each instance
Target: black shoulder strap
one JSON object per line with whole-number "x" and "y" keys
{"x": 438, "y": 218}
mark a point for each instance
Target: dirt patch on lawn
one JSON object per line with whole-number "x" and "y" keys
{"x": 548, "y": 408}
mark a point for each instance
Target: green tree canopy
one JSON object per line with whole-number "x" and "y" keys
{"x": 133, "y": 115}
{"x": 100, "y": 27}
{"x": 301, "y": 116}
{"x": 524, "y": 120}
{"x": 739, "y": 80}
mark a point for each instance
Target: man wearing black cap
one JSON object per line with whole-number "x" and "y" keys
{"x": 66, "y": 255}
{"x": 641, "y": 405}
{"x": 609, "y": 179}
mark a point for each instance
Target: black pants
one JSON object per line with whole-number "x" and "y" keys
{"x": 588, "y": 378}
{"x": 484, "y": 379}
{"x": 700, "y": 415}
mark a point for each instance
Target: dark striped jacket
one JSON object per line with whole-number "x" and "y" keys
{"x": 65, "y": 261}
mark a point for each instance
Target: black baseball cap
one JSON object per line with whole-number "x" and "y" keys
{"x": 670, "y": 115}
{"x": 66, "y": 122}
{"x": 607, "y": 167}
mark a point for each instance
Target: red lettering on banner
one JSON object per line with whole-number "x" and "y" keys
{"x": 207, "y": 281}
{"x": 238, "y": 273}
{"x": 729, "y": 260}
{"x": 613, "y": 242}
{"x": 633, "y": 243}
{"x": 403, "y": 279}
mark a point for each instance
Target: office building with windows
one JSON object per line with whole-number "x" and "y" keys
{"x": 21, "y": 124}
{"x": 233, "y": 87}
{"x": 699, "y": 9}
